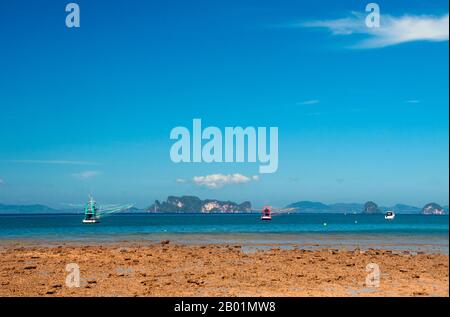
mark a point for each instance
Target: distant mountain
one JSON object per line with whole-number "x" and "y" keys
{"x": 368, "y": 208}
{"x": 42, "y": 209}
{"x": 346, "y": 208}
{"x": 318, "y": 207}
{"x": 131, "y": 210}
{"x": 309, "y": 207}
{"x": 26, "y": 209}
{"x": 195, "y": 204}
{"x": 433, "y": 209}
{"x": 371, "y": 208}
{"x": 402, "y": 209}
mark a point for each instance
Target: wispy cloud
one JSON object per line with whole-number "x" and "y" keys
{"x": 57, "y": 162}
{"x": 308, "y": 102}
{"x": 181, "y": 180}
{"x": 214, "y": 181}
{"x": 412, "y": 101}
{"x": 2, "y": 182}
{"x": 392, "y": 30}
{"x": 86, "y": 174}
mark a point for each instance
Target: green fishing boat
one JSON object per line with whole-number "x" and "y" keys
{"x": 91, "y": 211}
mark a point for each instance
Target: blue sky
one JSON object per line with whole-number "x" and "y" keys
{"x": 362, "y": 114}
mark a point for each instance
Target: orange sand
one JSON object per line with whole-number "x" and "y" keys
{"x": 167, "y": 269}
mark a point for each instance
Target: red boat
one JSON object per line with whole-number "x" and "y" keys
{"x": 266, "y": 213}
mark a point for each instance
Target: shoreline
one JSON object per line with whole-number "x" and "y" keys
{"x": 349, "y": 241}
{"x": 142, "y": 268}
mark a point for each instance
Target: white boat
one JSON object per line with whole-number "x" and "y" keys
{"x": 390, "y": 215}
{"x": 90, "y": 221}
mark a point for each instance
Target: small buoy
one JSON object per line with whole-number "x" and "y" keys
{"x": 356, "y": 221}
{"x": 325, "y": 224}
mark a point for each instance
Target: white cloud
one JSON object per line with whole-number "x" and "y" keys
{"x": 392, "y": 30}
{"x": 219, "y": 180}
{"x": 86, "y": 174}
{"x": 180, "y": 180}
{"x": 308, "y": 102}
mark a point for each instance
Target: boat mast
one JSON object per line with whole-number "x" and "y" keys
{"x": 90, "y": 211}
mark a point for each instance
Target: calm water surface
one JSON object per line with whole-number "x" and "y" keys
{"x": 405, "y": 231}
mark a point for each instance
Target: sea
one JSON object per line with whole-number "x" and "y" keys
{"x": 406, "y": 232}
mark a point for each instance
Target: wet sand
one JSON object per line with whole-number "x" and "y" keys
{"x": 168, "y": 269}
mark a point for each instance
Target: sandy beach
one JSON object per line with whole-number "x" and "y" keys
{"x": 168, "y": 269}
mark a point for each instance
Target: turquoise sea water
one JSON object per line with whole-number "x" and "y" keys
{"x": 351, "y": 230}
